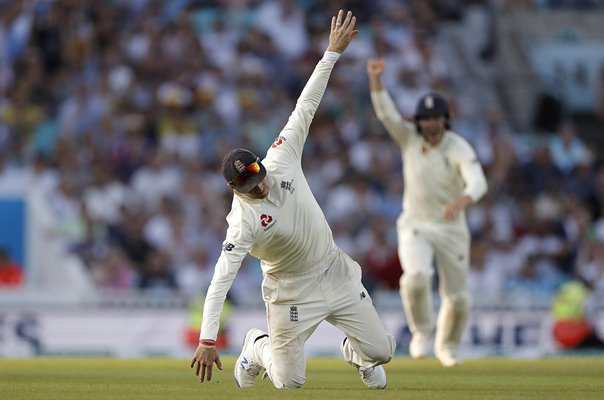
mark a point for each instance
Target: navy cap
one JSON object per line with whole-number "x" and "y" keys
{"x": 239, "y": 172}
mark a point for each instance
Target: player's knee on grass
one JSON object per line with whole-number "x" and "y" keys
{"x": 383, "y": 350}
{"x": 291, "y": 381}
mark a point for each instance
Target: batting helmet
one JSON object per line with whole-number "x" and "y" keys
{"x": 432, "y": 105}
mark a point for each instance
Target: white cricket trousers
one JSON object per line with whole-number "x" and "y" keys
{"x": 297, "y": 304}
{"x": 419, "y": 245}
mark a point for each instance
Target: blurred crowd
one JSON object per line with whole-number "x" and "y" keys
{"x": 118, "y": 113}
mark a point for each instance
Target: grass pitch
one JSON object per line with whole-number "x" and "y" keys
{"x": 327, "y": 378}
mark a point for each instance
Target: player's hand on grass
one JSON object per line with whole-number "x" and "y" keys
{"x": 342, "y": 31}
{"x": 203, "y": 360}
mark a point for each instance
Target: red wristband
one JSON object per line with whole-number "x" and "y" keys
{"x": 207, "y": 342}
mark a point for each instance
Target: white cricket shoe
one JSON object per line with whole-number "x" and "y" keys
{"x": 247, "y": 367}
{"x": 372, "y": 377}
{"x": 447, "y": 359}
{"x": 419, "y": 346}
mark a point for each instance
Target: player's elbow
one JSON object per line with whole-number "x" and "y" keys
{"x": 477, "y": 189}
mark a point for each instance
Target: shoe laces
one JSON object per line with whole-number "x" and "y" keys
{"x": 254, "y": 369}
{"x": 251, "y": 367}
{"x": 366, "y": 372}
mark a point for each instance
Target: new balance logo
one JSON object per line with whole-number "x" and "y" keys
{"x": 226, "y": 246}
{"x": 363, "y": 295}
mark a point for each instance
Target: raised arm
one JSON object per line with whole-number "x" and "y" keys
{"x": 288, "y": 146}
{"x": 383, "y": 105}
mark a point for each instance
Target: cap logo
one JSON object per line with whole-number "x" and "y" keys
{"x": 429, "y": 102}
{"x": 239, "y": 166}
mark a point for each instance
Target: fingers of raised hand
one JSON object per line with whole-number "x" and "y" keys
{"x": 339, "y": 18}
{"x": 348, "y": 23}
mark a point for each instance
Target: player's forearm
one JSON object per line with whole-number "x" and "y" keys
{"x": 212, "y": 309}
{"x": 375, "y": 84}
{"x": 224, "y": 274}
{"x": 385, "y": 110}
{"x": 299, "y": 122}
{"x": 313, "y": 91}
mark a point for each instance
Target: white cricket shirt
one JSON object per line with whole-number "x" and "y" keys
{"x": 434, "y": 176}
{"x": 287, "y": 230}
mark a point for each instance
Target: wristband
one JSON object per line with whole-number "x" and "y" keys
{"x": 331, "y": 56}
{"x": 207, "y": 342}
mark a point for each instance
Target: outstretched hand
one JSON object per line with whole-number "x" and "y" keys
{"x": 342, "y": 32}
{"x": 203, "y": 360}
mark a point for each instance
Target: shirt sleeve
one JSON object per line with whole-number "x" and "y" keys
{"x": 472, "y": 172}
{"x": 397, "y": 127}
{"x": 287, "y": 148}
{"x": 237, "y": 243}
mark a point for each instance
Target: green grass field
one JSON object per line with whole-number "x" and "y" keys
{"x": 327, "y": 378}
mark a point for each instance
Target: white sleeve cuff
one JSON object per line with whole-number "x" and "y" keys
{"x": 331, "y": 56}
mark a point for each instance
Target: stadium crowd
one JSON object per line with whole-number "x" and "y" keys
{"x": 118, "y": 113}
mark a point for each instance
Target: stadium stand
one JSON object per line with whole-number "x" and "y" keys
{"x": 114, "y": 117}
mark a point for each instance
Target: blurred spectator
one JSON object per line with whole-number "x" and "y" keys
{"x": 156, "y": 275}
{"x": 535, "y": 277}
{"x": 541, "y": 174}
{"x": 567, "y": 150}
{"x": 114, "y": 272}
{"x": 107, "y": 195}
{"x": 156, "y": 180}
{"x": 488, "y": 271}
{"x": 283, "y": 21}
{"x": 194, "y": 277}
{"x": 128, "y": 236}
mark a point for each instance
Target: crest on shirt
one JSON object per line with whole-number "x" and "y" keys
{"x": 287, "y": 185}
{"x": 279, "y": 140}
{"x": 267, "y": 221}
{"x": 293, "y": 313}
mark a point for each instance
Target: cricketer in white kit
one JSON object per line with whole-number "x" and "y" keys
{"x": 442, "y": 176}
{"x": 307, "y": 279}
